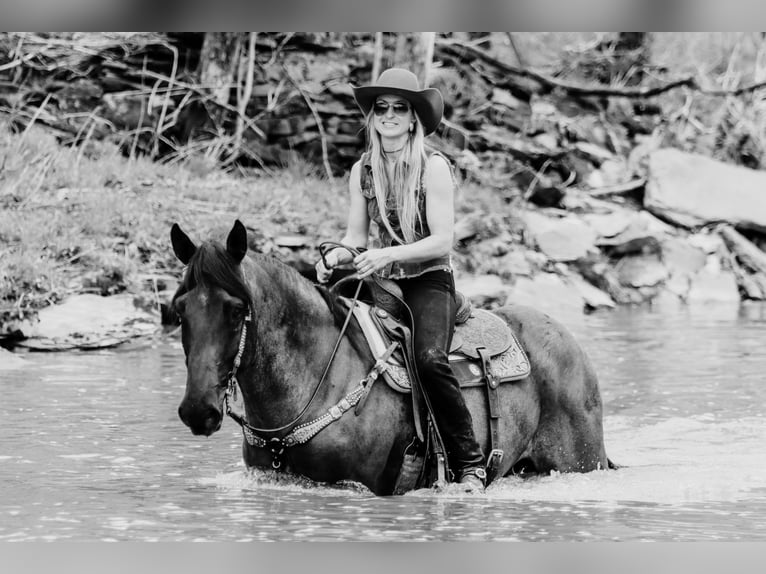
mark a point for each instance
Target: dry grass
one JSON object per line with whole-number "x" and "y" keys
{"x": 72, "y": 221}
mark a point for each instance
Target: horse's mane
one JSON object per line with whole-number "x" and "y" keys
{"x": 212, "y": 265}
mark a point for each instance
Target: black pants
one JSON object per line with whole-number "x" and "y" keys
{"x": 431, "y": 297}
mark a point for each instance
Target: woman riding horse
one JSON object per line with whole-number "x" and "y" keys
{"x": 409, "y": 196}
{"x": 254, "y": 327}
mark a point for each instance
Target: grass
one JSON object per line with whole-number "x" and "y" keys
{"x": 75, "y": 221}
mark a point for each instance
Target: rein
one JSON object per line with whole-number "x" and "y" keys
{"x": 306, "y": 431}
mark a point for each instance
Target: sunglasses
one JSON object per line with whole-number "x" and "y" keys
{"x": 381, "y": 108}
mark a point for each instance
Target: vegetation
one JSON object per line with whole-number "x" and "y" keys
{"x": 86, "y": 200}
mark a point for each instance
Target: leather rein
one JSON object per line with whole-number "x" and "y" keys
{"x": 305, "y": 432}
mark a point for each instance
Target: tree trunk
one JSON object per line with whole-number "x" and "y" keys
{"x": 415, "y": 52}
{"x": 218, "y": 63}
{"x": 423, "y": 55}
{"x": 377, "y": 59}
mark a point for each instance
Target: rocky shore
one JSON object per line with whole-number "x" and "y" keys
{"x": 573, "y": 196}
{"x": 690, "y": 235}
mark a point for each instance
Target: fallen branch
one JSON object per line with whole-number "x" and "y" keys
{"x": 746, "y": 252}
{"x": 461, "y": 50}
{"x": 618, "y": 189}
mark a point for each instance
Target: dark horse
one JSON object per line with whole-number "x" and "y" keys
{"x": 257, "y": 319}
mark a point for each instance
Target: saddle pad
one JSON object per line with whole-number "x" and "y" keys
{"x": 510, "y": 365}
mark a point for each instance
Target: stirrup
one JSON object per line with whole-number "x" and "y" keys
{"x": 475, "y": 472}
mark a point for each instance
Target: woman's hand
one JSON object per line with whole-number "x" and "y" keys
{"x": 372, "y": 260}
{"x": 324, "y": 273}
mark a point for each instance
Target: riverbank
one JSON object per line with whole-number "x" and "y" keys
{"x": 88, "y": 222}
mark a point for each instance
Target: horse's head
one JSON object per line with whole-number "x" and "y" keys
{"x": 212, "y": 303}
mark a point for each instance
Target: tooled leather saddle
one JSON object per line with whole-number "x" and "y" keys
{"x": 484, "y": 351}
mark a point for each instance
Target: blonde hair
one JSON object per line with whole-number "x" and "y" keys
{"x": 405, "y": 185}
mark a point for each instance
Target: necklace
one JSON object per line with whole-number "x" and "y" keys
{"x": 393, "y": 155}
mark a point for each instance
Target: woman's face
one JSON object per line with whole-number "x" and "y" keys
{"x": 392, "y": 116}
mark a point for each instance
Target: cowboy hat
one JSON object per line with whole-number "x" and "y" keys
{"x": 428, "y": 103}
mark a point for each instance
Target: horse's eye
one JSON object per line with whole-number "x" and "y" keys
{"x": 237, "y": 311}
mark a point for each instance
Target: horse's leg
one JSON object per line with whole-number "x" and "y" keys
{"x": 519, "y": 413}
{"x": 569, "y": 434}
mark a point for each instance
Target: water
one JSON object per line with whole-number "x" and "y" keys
{"x": 93, "y": 450}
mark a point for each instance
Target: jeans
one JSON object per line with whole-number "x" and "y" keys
{"x": 431, "y": 298}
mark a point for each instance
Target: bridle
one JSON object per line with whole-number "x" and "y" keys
{"x": 306, "y": 431}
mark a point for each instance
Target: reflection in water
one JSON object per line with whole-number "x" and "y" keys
{"x": 93, "y": 450}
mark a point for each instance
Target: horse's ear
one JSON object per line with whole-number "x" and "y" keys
{"x": 236, "y": 243}
{"x": 183, "y": 247}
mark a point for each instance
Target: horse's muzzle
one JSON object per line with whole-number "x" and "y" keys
{"x": 202, "y": 421}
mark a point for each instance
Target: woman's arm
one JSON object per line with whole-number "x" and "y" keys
{"x": 358, "y": 220}
{"x": 440, "y": 216}
{"x": 357, "y": 227}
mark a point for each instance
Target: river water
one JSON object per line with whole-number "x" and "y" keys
{"x": 92, "y": 450}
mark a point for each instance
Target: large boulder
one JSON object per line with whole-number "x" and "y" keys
{"x": 561, "y": 239}
{"x": 641, "y": 270}
{"x": 709, "y": 286}
{"x": 88, "y": 322}
{"x": 549, "y": 293}
{"x": 693, "y": 190}
{"x": 483, "y": 290}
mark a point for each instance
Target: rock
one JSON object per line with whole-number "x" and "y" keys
{"x": 597, "y": 271}
{"x": 549, "y": 293}
{"x": 667, "y": 299}
{"x": 292, "y": 241}
{"x": 681, "y": 257}
{"x": 609, "y": 224}
{"x": 563, "y": 239}
{"x": 706, "y": 242}
{"x": 9, "y": 361}
{"x": 88, "y": 322}
{"x": 483, "y": 290}
{"x": 513, "y": 264}
{"x": 593, "y": 297}
{"x": 641, "y": 270}
{"x": 611, "y": 172}
{"x": 679, "y": 284}
{"x": 642, "y": 235}
{"x": 709, "y": 286}
{"x": 693, "y": 190}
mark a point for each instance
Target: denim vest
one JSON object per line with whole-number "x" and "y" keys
{"x": 382, "y": 238}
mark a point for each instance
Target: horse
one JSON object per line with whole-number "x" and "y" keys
{"x": 250, "y": 319}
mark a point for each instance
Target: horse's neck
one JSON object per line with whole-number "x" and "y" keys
{"x": 293, "y": 337}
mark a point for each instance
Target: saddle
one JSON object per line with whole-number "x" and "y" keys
{"x": 483, "y": 347}
{"x": 484, "y": 353}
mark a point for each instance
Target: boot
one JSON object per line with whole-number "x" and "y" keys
{"x": 473, "y": 480}
{"x": 456, "y": 427}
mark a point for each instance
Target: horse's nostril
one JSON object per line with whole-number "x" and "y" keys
{"x": 201, "y": 421}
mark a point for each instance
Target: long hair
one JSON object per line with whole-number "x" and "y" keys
{"x": 404, "y": 188}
